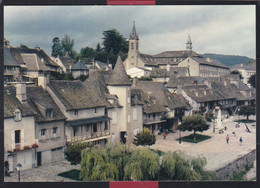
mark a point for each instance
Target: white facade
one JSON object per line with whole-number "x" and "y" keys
{"x": 19, "y": 138}
{"x": 138, "y": 72}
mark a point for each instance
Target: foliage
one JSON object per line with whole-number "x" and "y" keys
{"x": 209, "y": 117}
{"x": 67, "y": 45}
{"x": 190, "y": 138}
{"x": 98, "y": 48}
{"x": 87, "y": 52}
{"x": 247, "y": 110}
{"x": 193, "y": 123}
{"x": 252, "y": 80}
{"x": 57, "y": 49}
{"x": 142, "y": 165}
{"x": 129, "y": 163}
{"x": 72, "y": 174}
{"x": 73, "y": 152}
{"x": 241, "y": 175}
{"x": 24, "y": 46}
{"x": 145, "y": 78}
{"x": 145, "y": 138}
{"x": 237, "y": 72}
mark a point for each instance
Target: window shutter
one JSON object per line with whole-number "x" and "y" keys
{"x": 13, "y": 136}
{"x": 22, "y": 137}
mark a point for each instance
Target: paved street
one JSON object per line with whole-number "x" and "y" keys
{"x": 44, "y": 173}
{"x": 217, "y": 152}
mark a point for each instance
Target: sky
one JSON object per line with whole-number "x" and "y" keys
{"x": 222, "y": 29}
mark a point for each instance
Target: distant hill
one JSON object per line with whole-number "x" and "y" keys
{"x": 229, "y": 60}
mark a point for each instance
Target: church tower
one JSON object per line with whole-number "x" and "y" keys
{"x": 133, "y": 48}
{"x": 189, "y": 44}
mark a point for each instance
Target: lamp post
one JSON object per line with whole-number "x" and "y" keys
{"x": 18, "y": 166}
{"x": 180, "y": 134}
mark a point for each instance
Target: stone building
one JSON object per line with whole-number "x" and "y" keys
{"x": 246, "y": 71}
{"x": 19, "y": 128}
{"x": 79, "y": 69}
{"x": 65, "y": 62}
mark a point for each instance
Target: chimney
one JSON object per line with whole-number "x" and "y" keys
{"x": 21, "y": 92}
{"x": 37, "y": 48}
{"x": 43, "y": 80}
{"x": 135, "y": 80}
{"x": 208, "y": 83}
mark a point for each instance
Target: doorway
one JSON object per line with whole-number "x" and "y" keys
{"x": 39, "y": 158}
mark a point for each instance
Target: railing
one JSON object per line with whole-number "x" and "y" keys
{"x": 88, "y": 137}
{"x": 150, "y": 120}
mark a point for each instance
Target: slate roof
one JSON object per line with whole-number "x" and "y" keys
{"x": 87, "y": 120}
{"x": 74, "y": 95}
{"x": 33, "y": 62}
{"x": 40, "y": 100}
{"x": 96, "y": 85}
{"x": 221, "y": 92}
{"x": 244, "y": 66}
{"x": 235, "y": 91}
{"x": 161, "y": 94}
{"x": 212, "y": 63}
{"x": 39, "y": 52}
{"x": 67, "y": 61}
{"x": 174, "y": 81}
{"x": 176, "y": 54}
{"x": 79, "y": 66}
{"x": 191, "y": 91}
{"x": 9, "y": 59}
{"x": 11, "y": 103}
{"x": 177, "y": 71}
{"x": 148, "y": 59}
{"x": 118, "y": 76}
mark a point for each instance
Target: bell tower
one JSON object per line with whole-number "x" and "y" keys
{"x": 133, "y": 48}
{"x": 189, "y": 44}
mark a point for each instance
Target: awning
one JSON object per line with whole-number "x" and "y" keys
{"x": 88, "y": 120}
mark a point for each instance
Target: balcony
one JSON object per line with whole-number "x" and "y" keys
{"x": 149, "y": 121}
{"x": 89, "y": 138}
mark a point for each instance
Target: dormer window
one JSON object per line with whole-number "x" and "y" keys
{"x": 17, "y": 115}
{"x": 205, "y": 92}
{"x": 49, "y": 113}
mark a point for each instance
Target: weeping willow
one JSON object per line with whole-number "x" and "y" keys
{"x": 131, "y": 163}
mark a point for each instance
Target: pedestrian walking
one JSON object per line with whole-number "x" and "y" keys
{"x": 164, "y": 135}
{"x": 240, "y": 140}
{"x": 227, "y": 138}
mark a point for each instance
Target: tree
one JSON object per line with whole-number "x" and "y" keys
{"x": 145, "y": 138}
{"x": 24, "y": 46}
{"x": 57, "y": 48}
{"x": 87, "y": 52}
{"x": 98, "y": 48}
{"x": 252, "y": 80}
{"x": 67, "y": 45}
{"x": 194, "y": 123}
{"x": 237, "y": 72}
{"x": 247, "y": 111}
{"x": 73, "y": 152}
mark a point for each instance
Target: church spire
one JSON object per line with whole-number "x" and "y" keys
{"x": 133, "y": 35}
{"x": 189, "y": 44}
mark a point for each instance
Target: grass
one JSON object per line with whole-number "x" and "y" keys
{"x": 72, "y": 174}
{"x": 190, "y": 138}
{"x": 245, "y": 121}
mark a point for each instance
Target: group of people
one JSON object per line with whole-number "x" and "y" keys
{"x": 240, "y": 139}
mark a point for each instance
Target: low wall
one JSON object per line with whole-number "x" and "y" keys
{"x": 236, "y": 166}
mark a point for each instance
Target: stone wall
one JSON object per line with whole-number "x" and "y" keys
{"x": 236, "y": 166}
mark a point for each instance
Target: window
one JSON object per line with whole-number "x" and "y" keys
{"x": 17, "y": 136}
{"x": 49, "y": 113}
{"x": 17, "y": 115}
{"x": 95, "y": 110}
{"x": 94, "y": 127}
{"x": 76, "y": 112}
{"x": 106, "y": 125}
{"x": 54, "y": 130}
{"x": 132, "y": 45}
{"x": 43, "y": 131}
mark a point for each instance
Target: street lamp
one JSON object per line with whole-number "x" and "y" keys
{"x": 180, "y": 134}
{"x": 18, "y": 166}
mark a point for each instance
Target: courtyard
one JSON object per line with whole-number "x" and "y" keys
{"x": 217, "y": 152}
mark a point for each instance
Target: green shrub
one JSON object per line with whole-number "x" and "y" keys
{"x": 145, "y": 138}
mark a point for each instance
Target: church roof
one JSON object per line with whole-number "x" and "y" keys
{"x": 211, "y": 62}
{"x": 176, "y": 54}
{"x": 119, "y": 76}
{"x": 133, "y": 35}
